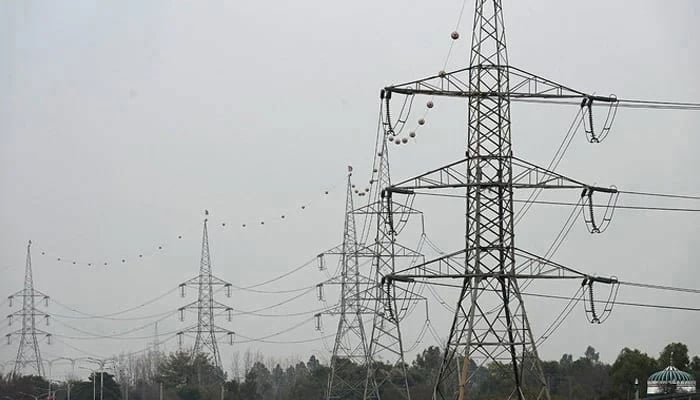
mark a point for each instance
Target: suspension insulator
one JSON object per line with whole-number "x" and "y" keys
{"x": 430, "y": 104}
{"x": 404, "y": 140}
{"x": 412, "y": 134}
{"x": 421, "y": 121}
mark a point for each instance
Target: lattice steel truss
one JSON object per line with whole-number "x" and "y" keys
{"x": 28, "y": 352}
{"x": 206, "y": 330}
{"x": 350, "y": 347}
{"x": 392, "y": 303}
{"x": 490, "y": 324}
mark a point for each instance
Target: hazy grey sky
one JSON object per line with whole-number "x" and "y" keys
{"x": 120, "y": 122}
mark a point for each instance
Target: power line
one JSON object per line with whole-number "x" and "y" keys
{"x": 561, "y": 203}
{"x": 632, "y": 104}
{"x": 276, "y": 304}
{"x": 623, "y": 207}
{"x": 551, "y": 296}
{"x": 622, "y": 303}
{"x": 278, "y": 277}
{"x": 660, "y": 287}
{"x": 673, "y": 196}
{"x": 106, "y": 316}
{"x": 283, "y": 331}
{"x": 116, "y": 335}
{"x": 112, "y": 318}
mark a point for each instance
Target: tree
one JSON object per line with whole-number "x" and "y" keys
{"x": 629, "y": 366}
{"x": 181, "y": 369}
{"x": 97, "y": 381}
{"x": 695, "y": 368}
{"x": 675, "y": 354}
{"x": 258, "y": 383}
{"x": 591, "y": 355}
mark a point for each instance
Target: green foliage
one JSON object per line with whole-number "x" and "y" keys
{"x": 629, "y": 366}
{"x": 675, "y": 354}
{"x": 187, "y": 378}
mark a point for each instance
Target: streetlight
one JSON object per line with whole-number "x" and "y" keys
{"x": 67, "y": 390}
{"x": 101, "y": 363}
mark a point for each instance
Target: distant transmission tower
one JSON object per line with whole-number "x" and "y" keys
{"x": 391, "y": 303}
{"x": 490, "y": 325}
{"x": 206, "y": 330}
{"x": 350, "y": 348}
{"x": 28, "y": 353}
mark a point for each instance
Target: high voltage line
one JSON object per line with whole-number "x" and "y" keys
{"x": 561, "y": 203}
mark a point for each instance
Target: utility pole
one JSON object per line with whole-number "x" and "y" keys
{"x": 28, "y": 353}
{"x": 206, "y": 328}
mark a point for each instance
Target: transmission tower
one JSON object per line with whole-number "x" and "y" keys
{"x": 350, "y": 348}
{"x": 391, "y": 303}
{"x": 490, "y": 324}
{"x": 206, "y": 330}
{"x": 28, "y": 353}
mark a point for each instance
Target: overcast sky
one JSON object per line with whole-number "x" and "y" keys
{"x": 120, "y": 122}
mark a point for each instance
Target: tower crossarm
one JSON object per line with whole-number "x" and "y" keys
{"x": 37, "y": 331}
{"x": 33, "y": 313}
{"x": 525, "y": 176}
{"x": 396, "y": 207}
{"x": 338, "y": 280}
{"x": 523, "y": 85}
{"x": 361, "y": 251}
{"x": 528, "y": 266}
{"x": 215, "y": 281}
{"x": 214, "y": 306}
{"x": 338, "y": 310}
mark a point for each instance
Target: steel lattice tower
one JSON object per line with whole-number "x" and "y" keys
{"x": 391, "y": 303}
{"x": 490, "y": 324}
{"x": 206, "y": 330}
{"x": 350, "y": 348}
{"x": 28, "y": 353}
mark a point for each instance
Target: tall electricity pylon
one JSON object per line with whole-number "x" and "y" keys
{"x": 385, "y": 343}
{"x": 28, "y": 353}
{"x": 350, "y": 348}
{"x": 206, "y": 330}
{"x": 490, "y": 324}
{"x": 391, "y": 303}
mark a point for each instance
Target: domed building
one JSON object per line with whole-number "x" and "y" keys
{"x": 670, "y": 380}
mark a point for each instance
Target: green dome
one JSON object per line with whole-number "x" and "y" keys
{"x": 671, "y": 374}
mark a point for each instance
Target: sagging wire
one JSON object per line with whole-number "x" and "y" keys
{"x": 553, "y": 163}
{"x": 589, "y": 127}
{"x": 593, "y": 225}
{"x": 575, "y": 299}
{"x": 419, "y": 338}
{"x": 110, "y": 315}
{"x": 118, "y": 335}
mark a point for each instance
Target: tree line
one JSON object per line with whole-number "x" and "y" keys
{"x": 179, "y": 376}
